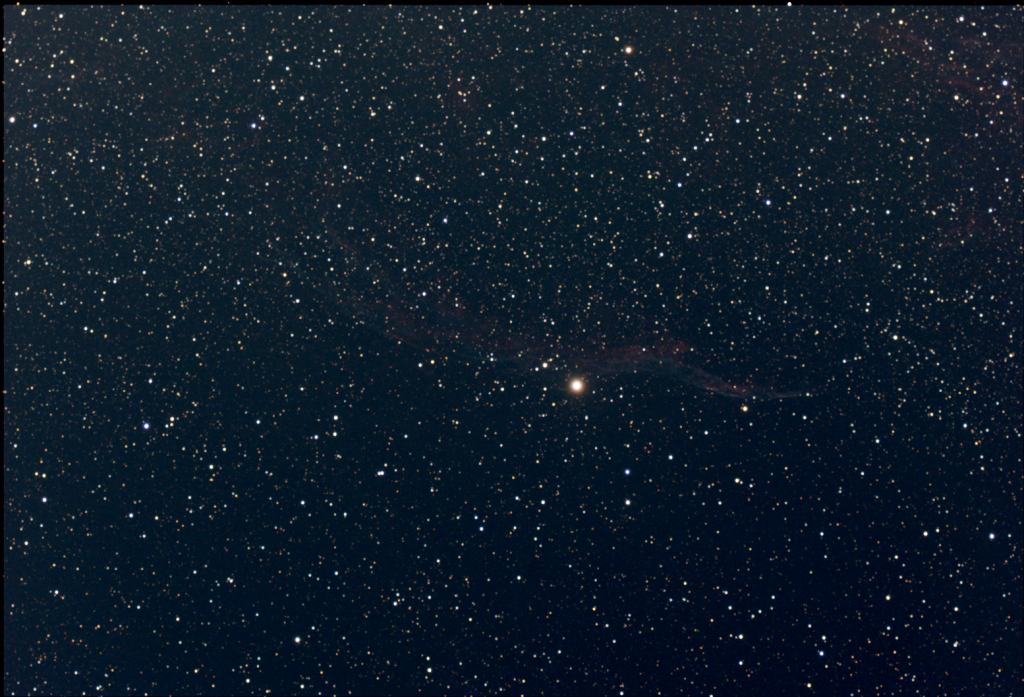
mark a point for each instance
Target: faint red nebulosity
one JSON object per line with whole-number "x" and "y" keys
{"x": 434, "y": 322}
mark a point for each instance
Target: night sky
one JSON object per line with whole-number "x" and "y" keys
{"x": 518, "y": 351}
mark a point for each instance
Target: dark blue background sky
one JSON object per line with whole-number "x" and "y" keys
{"x": 294, "y": 301}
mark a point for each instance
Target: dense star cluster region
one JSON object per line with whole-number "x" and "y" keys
{"x": 513, "y": 350}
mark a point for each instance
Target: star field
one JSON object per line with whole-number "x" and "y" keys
{"x": 513, "y": 350}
